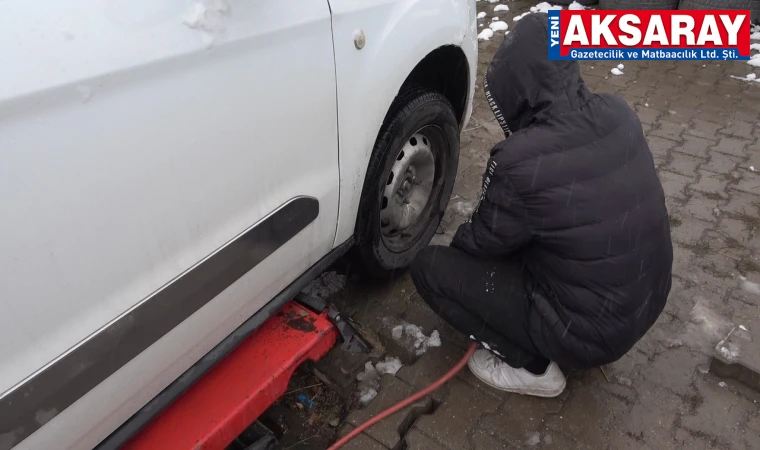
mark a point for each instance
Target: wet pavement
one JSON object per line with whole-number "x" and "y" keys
{"x": 704, "y": 131}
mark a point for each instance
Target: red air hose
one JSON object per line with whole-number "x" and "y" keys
{"x": 408, "y": 401}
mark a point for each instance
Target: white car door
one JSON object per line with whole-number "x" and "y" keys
{"x": 166, "y": 168}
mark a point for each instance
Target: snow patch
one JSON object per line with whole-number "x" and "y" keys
{"x": 506, "y": 8}
{"x": 485, "y": 35}
{"x": 389, "y": 366}
{"x": 755, "y": 36}
{"x": 729, "y": 351}
{"x": 722, "y": 384}
{"x": 620, "y": 66}
{"x": 575, "y": 6}
{"x": 749, "y": 78}
{"x": 742, "y": 327}
{"x": 754, "y": 60}
{"x": 465, "y": 208}
{"x": 749, "y": 286}
{"x": 499, "y": 26}
{"x": 366, "y": 396}
{"x": 369, "y": 383}
{"x": 615, "y": 71}
{"x": 754, "y": 47}
{"x": 494, "y": 19}
{"x": 481, "y": 15}
{"x": 533, "y": 439}
{"x": 415, "y": 335}
{"x": 493, "y": 1}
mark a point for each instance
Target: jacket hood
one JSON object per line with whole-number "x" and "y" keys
{"x": 523, "y": 86}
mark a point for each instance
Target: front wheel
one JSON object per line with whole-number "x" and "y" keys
{"x": 409, "y": 181}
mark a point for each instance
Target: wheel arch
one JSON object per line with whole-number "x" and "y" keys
{"x": 444, "y": 70}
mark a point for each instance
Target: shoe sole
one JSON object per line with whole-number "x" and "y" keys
{"x": 532, "y": 392}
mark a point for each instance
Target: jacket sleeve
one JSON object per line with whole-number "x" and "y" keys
{"x": 499, "y": 225}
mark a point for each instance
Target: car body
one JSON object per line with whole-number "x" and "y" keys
{"x": 169, "y": 168}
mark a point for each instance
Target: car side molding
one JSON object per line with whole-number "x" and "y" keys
{"x": 56, "y": 386}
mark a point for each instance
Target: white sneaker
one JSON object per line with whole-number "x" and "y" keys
{"x": 490, "y": 369}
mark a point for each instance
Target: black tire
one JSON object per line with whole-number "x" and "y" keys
{"x": 582, "y": 2}
{"x": 752, "y": 5}
{"x": 410, "y": 113}
{"x": 638, "y": 4}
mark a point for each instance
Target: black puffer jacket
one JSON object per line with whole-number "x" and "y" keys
{"x": 574, "y": 193}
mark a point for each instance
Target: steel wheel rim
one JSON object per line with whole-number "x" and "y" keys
{"x": 409, "y": 188}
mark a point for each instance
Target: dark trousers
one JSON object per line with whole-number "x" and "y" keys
{"x": 482, "y": 298}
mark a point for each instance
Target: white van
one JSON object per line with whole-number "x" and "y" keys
{"x": 173, "y": 171}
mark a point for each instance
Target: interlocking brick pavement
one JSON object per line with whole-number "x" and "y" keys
{"x": 704, "y": 131}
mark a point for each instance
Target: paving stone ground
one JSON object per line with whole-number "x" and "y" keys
{"x": 704, "y": 131}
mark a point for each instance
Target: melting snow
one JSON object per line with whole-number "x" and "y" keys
{"x": 748, "y": 286}
{"x": 755, "y": 36}
{"x": 415, "y": 335}
{"x": 533, "y": 439}
{"x": 499, "y": 26}
{"x": 730, "y": 352}
{"x": 743, "y": 327}
{"x": 621, "y": 67}
{"x": 754, "y": 47}
{"x": 576, "y": 6}
{"x": 367, "y": 395}
{"x": 481, "y": 15}
{"x": 494, "y": 19}
{"x": 504, "y": 8}
{"x": 616, "y": 71}
{"x": 521, "y": 16}
{"x": 722, "y": 384}
{"x": 485, "y": 35}
{"x": 493, "y": 1}
{"x": 754, "y": 60}
{"x": 389, "y": 366}
{"x": 748, "y": 78}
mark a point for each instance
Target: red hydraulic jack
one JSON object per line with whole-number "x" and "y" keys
{"x": 232, "y": 395}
